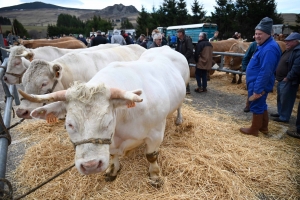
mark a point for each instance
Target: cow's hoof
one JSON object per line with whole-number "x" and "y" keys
{"x": 157, "y": 183}
{"x": 178, "y": 122}
{"x": 109, "y": 178}
{"x": 239, "y": 82}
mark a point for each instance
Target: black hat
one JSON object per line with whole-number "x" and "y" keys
{"x": 181, "y": 30}
{"x": 265, "y": 25}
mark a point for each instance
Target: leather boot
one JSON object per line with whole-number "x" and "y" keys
{"x": 264, "y": 128}
{"x": 256, "y": 125}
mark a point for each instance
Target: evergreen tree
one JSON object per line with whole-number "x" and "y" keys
{"x": 18, "y": 29}
{"x": 198, "y": 13}
{"x": 4, "y": 21}
{"x": 142, "y": 22}
{"x": 182, "y": 17}
{"x": 126, "y": 24}
{"x": 296, "y": 28}
{"x": 170, "y": 12}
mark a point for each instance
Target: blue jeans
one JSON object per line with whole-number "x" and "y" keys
{"x": 201, "y": 77}
{"x": 286, "y": 95}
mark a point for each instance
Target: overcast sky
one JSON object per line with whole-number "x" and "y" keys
{"x": 283, "y": 6}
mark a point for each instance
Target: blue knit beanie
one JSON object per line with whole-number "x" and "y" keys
{"x": 265, "y": 25}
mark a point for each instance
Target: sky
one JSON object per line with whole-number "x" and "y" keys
{"x": 283, "y": 6}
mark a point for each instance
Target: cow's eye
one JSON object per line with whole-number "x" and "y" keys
{"x": 44, "y": 84}
{"x": 70, "y": 126}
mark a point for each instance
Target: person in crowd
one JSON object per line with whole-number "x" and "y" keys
{"x": 288, "y": 76}
{"x": 260, "y": 76}
{"x": 203, "y": 58}
{"x": 144, "y": 43}
{"x": 246, "y": 59}
{"x": 235, "y": 35}
{"x": 239, "y": 36}
{"x": 185, "y": 47}
{"x": 215, "y": 37}
{"x": 117, "y": 38}
{"x": 173, "y": 40}
{"x": 164, "y": 40}
{"x": 157, "y": 40}
{"x": 99, "y": 39}
{"x": 140, "y": 40}
{"x": 82, "y": 39}
{"x": 150, "y": 40}
{"x": 126, "y": 37}
{"x": 169, "y": 39}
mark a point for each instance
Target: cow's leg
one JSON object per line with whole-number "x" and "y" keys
{"x": 115, "y": 167}
{"x": 240, "y": 79}
{"x": 233, "y": 78}
{"x": 152, "y": 145}
{"x": 179, "y": 119}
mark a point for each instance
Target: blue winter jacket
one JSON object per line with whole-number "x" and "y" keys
{"x": 262, "y": 66}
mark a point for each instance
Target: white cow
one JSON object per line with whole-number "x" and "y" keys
{"x": 17, "y": 63}
{"x": 44, "y": 77}
{"x": 97, "y": 116}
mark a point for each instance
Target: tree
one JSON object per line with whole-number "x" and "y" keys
{"x": 297, "y": 26}
{"x": 198, "y": 13}
{"x": 182, "y": 17}
{"x": 18, "y": 29}
{"x": 125, "y": 24}
{"x": 250, "y": 12}
{"x": 224, "y": 17}
{"x": 169, "y": 12}
{"x": 5, "y": 21}
{"x": 142, "y": 22}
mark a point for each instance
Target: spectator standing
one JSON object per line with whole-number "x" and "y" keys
{"x": 288, "y": 76}
{"x": 260, "y": 76}
{"x": 235, "y": 36}
{"x": 173, "y": 40}
{"x": 99, "y": 39}
{"x": 246, "y": 59}
{"x": 215, "y": 37}
{"x": 126, "y": 37}
{"x": 164, "y": 39}
{"x": 157, "y": 40}
{"x": 203, "y": 58}
{"x": 185, "y": 47}
{"x": 82, "y": 39}
{"x": 117, "y": 38}
{"x": 150, "y": 40}
{"x": 140, "y": 40}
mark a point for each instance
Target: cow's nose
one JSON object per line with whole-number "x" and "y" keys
{"x": 23, "y": 113}
{"x": 91, "y": 165}
{"x": 4, "y": 78}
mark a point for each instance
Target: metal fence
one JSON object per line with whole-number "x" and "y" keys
{"x": 220, "y": 66}
{"x": 11, "y": 94}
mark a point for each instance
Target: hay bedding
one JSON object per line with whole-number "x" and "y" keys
{"x": 204, "y": 158}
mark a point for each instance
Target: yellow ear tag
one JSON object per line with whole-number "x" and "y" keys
{"x": 51, "y": 118}
{"x": 130, "y": 104}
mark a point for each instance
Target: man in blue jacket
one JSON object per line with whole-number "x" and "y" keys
{"x": 260, "y": 76}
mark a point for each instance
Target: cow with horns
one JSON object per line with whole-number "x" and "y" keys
{"x": 99, "y": 123}
{"x": 20, "y": 57}
{"x": 44, "y": 77}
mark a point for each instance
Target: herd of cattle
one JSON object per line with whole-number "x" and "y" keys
{"x": 113, "y": 98}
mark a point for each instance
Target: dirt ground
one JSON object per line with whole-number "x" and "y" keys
{"x": 222, "y": 96}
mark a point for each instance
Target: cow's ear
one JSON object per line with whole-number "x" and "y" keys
{"x": 126, "y": 103}
{"x": 30, "y": 56}
{"x": 57, "y": 71}
{"x": 57, "y": 109}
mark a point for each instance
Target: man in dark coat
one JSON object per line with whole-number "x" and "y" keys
{"x": 98, "y": 40}
{"x": 185, "y": 47}
{"x": 203, "y": 57}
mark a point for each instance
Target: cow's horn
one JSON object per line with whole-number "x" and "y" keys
{"x": 128, "y": 95}
{"x": 8, "y": 50}
{"x": 24, "y": 54}
{"x": 45, "y": 98}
